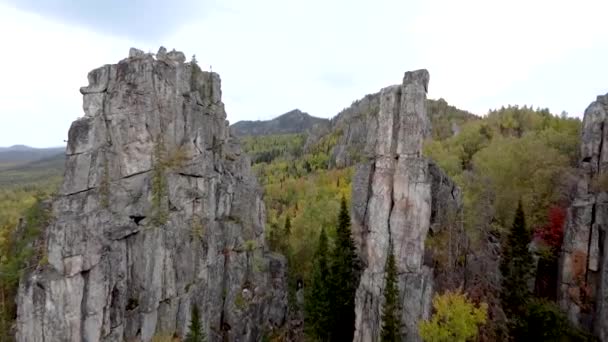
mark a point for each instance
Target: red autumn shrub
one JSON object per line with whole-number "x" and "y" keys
{"x": 552, "y": 233}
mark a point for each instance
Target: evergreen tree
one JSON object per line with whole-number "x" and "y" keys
{"x": 195, "y": 333}
{"x": 390, "y": 310}
{"x": 287, "y": 228}
{"x": 516, "y": 269}
{"x": 344, "y": 279}
{"x": 318, "y": 309}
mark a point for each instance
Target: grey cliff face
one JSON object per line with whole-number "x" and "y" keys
{"x": 158, "y": 211}
{"x": 398, "y": 197}
{"x": 583, "y": 278}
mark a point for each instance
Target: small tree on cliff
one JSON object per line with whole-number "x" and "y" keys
{"x": 516, "y": 268}
{"x": 318, "y": 309}
{"x": 195, "y": 333}
{"x": 343, "y": 279}
{"x": 390, "y": 310}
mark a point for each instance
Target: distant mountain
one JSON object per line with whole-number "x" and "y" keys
{"x": 16, "y": 148}
{"x": 20, "y": 154}
{"x": 294, "y": 121}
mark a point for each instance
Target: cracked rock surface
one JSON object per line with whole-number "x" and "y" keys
{"x": 158, "y": 211}
{"x": 398, "y": 196}
{"x": 583, "y": 272}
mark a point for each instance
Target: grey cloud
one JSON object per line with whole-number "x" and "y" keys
{"x": 136, "y": 19}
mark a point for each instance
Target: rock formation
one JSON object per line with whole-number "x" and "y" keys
{"x": 398, "y": 197}
{"x": 352, "y": 126}
{"x": 583, "y": 278}
{"x": 158, "y": 212}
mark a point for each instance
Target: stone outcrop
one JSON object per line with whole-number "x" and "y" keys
{"x": 353, "y": 127}
{"x": 402, "y": 198}
{"x": 583, "y": 277}
{"x": 350, "y": 127}
{"x": 158, "y": 212}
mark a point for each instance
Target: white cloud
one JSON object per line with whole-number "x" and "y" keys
{"x": 42, "y": 66}
{"x": 477, "y": 49}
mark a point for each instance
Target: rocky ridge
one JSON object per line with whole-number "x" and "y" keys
{"x": 158, "y": 211}
{"x": 401, "y": 198}
{"x": 583, "y": 270}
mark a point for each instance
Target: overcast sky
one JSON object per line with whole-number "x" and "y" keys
{"x": 315, "y": 55}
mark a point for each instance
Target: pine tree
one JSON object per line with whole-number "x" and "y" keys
{"x": 344, "y": 280}
{"x": 318, "y": 309}
{"x": 516, "y": 268}
{"x": 287, "y": 228}
{"x": 390, "y": 309}
{"x": 195, "y": 333}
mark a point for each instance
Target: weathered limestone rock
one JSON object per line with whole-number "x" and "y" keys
{"x": 583, "y": 278}
{"x": 158, "y": 211}
{"x": 397, "y": 197}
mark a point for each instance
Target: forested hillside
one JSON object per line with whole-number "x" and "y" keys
{"x": 512, "y": 155}
{"x": 19, "y": 155}
{"x": 23, "y": 190}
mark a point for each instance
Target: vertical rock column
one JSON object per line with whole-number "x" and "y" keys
{"x": 159, "y": 211}
{"x": 583, "y": 278}
{"x": 392, "y": 202}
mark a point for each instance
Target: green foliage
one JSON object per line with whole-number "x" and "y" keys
{"x": 344, "y": 280}
{"x": 301, "y": 197}
{"x": 250, "y": 245}
{"x": 516, "y": 268}
{"x": 311, "y": 202}
{"x": 159, "y": 184}
{"x": 20, "y": 251}
{"x": 513, "y": 153}
{"x": 239, "y": 301}
{"x": 267, "y": 148}
{"x": 40, "y": 174}
{"x": 104, "y": 186}
{"x": 543, "y": 321}
{"x": 318, "y": 315}
{"x": 391, "y": 318}
{"x": 259, "y": 264}
{"x": 443, "y": 117}
{"x": 198, "y": 229}
{"x": 195, "y": 330}
{"x": 455, "y": 319}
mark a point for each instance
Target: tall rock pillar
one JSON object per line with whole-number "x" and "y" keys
{"x": 392, "y": 202}
{"x": 158, "y": 212}
{"x": 583, "y": 276}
